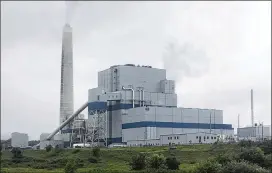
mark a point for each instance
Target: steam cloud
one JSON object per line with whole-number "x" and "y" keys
{"x": 70, "y": 9}
{"x": 184, "y": 60}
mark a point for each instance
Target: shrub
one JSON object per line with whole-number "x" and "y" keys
{"x": 245, "y": 143}
{"x": 70, "y": 167}
{"x": 253, "y": 155}
{"x": 48, "y": 148}
{"x": 172, "y": 163}
{"x": 157, "y": 162}
{"x": 58, "y": 149}
{"x": 138, "y": 162}
{"x": 208, "y": 167}
{"x": 96, "y": 152}
{"x": 76, "y": 151}
{"x": 266, "y": 146}
{"x": 224, "y": 158}
{"x": 79, "y": 163}
{"x": 57, "y": 162}
{"x": 92, "y": 159}
{"x": 268, "y": 161}
{"x": 242, "y": 167}
{"x": 17, "y": 153}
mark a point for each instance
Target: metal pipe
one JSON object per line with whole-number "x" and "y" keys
{"x": 67, "y": 121}
{"x": 132, "y": 94}
{"x": 143, "y": 97}
{"x": 140, "y": 98}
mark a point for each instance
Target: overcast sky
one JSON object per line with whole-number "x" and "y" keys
{"x": 223, "y": 49}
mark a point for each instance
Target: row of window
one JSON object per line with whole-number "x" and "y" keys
{"x": 156, "y": 144}
{"x": 212, "y": 137}
{"x": 170, "y": 138}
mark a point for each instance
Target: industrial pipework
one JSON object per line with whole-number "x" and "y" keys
{"x": 67, "y": 121}
{"x": 132, "y": 94}
{"x": 140, "y": 96}
{"x": 143, "y": 98}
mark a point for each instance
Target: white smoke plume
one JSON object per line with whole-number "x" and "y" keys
{"x": 69, "y": 11}
{"x": 184, "y": 60}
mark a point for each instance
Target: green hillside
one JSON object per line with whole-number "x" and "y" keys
{"x": 110, "y": 159}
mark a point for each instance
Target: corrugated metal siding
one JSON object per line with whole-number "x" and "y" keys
{"x": 149, "y": 78}
{"x": 189, "y": 115}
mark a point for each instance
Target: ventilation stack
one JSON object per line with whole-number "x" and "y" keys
{"x": 66, "y": 89}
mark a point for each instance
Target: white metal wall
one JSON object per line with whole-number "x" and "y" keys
{"x": 179, "y": 115}
{"x": 19, "y": 140}
{"x": 177, "y": 139}
{"x": 149, "y": 78}
{"x": 253, "y": 132}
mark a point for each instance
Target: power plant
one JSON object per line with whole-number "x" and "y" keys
{"x": 132, "y": 105}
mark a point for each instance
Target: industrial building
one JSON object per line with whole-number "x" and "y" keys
{"x": 19, "y": 140}
{"x": 258, "y": 132}
{"x": 177, "y": 139}
{"x": 131, "y": 103}
{"x": 139, "y": 103}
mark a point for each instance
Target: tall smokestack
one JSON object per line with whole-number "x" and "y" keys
{"x": 252, "y": 109}
{"x": 66, "y": 88}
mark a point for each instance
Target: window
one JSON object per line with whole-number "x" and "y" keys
{"x": 196, "y": 137}
{"x": 177, "y": 137}
{"x": 214, "y": 137}
{"x": 211, "y": 137}
{"x": 207, "y": 137}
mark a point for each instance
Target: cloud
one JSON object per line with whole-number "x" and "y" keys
{"x": 184, "y": 60}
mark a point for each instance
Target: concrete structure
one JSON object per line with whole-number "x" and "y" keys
{"x": 19, "y": 140}
{"x": 258, "y": 132}
{"x": 66, "y": 89}
{"x": 141, "y": 104}
{"x": 177, "y": 139}
{"x": 58, "y": 140}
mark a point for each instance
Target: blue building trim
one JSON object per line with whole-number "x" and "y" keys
{"x": 176, "y": 125}
{"x": 114, "y": 140}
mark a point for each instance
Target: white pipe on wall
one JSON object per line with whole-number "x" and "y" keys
{"x": 132, "y": 94}
{"x": 140, "y": 98}
{"x": 143, "y": 97}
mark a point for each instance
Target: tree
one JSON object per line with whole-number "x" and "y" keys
{"x": 96, "y": 152}
{"x": 172, "y": 163}
{"x": 242, "y": 167}
{"x": 48, "y": 148}
{"x": 138, "y": 162}
{"x": 209, "y": 167}
{"x": 17, "y": 153}
{"x": 157, "y": 162}
{"x": 70, "y": 167}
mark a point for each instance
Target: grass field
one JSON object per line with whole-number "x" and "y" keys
{"x": 111, "y": 159}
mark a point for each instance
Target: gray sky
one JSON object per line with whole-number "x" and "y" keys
{"x": 223, "y": 50}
